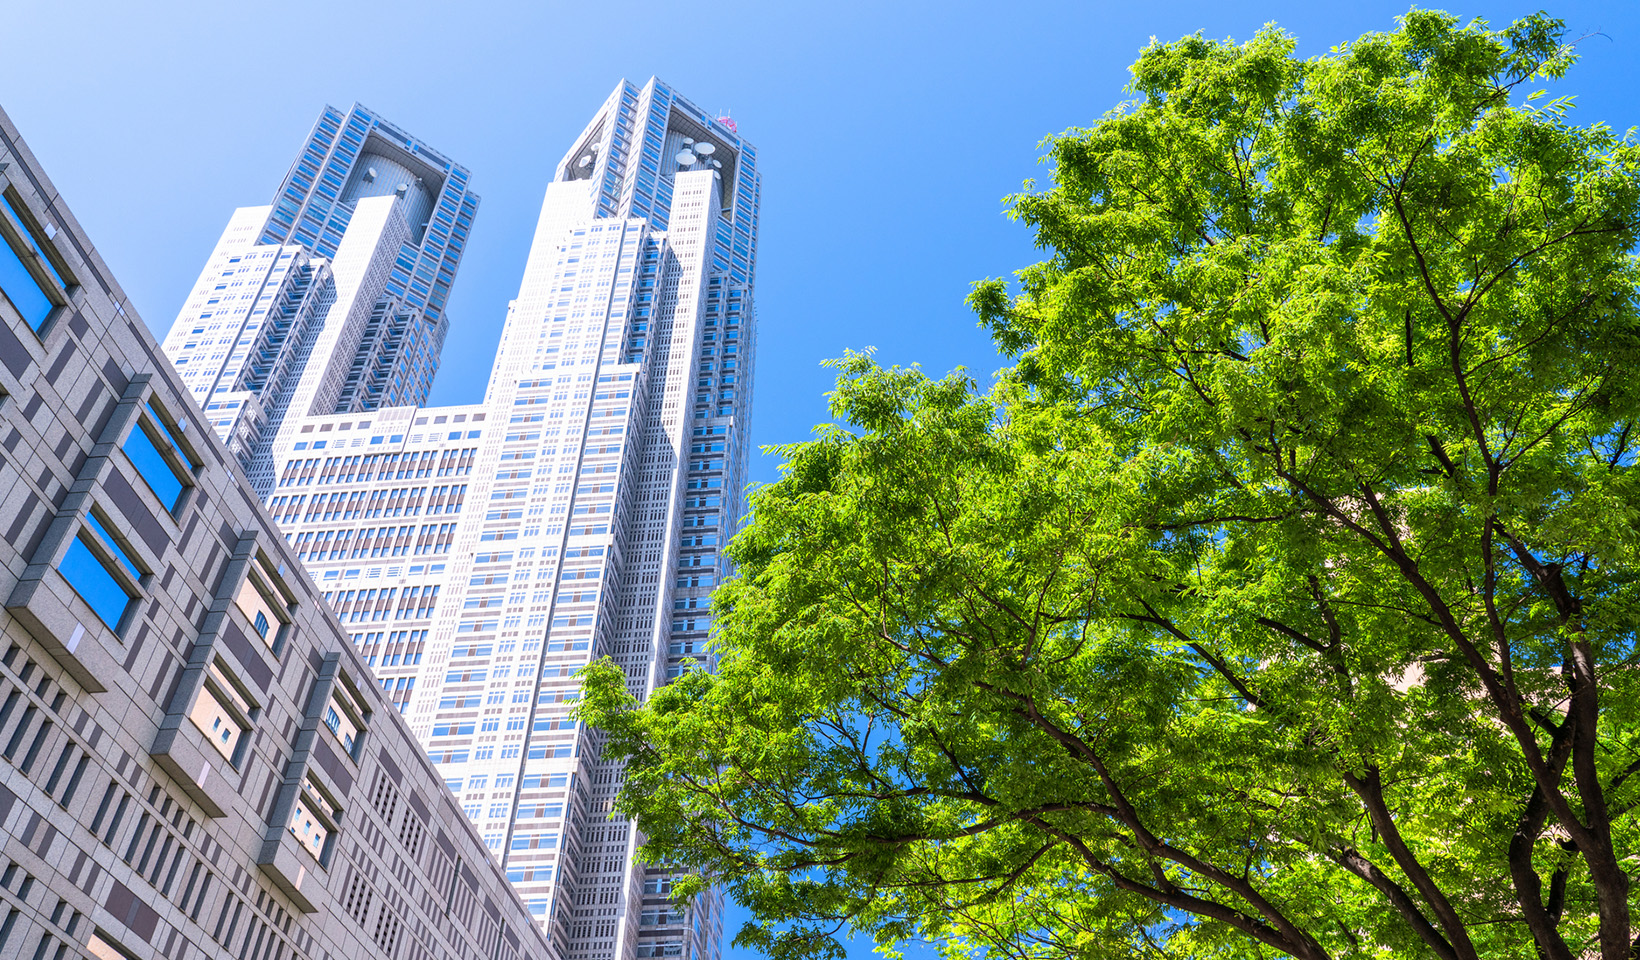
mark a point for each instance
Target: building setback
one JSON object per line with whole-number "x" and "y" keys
{"x": 195, "y": 761}
{"x": 332, "y": 297}
{"x": 479, "y": 555}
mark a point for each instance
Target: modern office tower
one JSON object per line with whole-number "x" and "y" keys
{"x": 480, "y": 555}
{"x": 331, "y": 299}
{"x": 197, "y": 762}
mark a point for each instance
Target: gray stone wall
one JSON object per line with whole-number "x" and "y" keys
{"x": 125, "y": 829}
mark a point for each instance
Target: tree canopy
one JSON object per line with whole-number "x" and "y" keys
{"x": 1279, "y": 600}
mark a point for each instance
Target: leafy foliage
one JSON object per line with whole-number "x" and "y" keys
{"x": 1279, "y": 600}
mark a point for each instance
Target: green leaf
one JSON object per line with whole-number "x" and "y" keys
{"x": 1281, "y": 598}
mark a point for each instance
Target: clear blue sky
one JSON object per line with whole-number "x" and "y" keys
{"x": 887, "y": 134}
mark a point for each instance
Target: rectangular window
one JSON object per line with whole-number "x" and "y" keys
{"x": 313, "y": 820}
{"x": 221, "y": 713}
{"x": 546, "y": 781}
{"x": 159, "y": 460}
{"x": 101, "y": 571}
{"x": 102, "y": 948}
{"x": 28, "y": 278}
{"x": 535, "y": 841}
{"x": 344, "y": 718}
{"x": 259, "y": 602}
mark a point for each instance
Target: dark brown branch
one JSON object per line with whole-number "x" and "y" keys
{"x": 1222, "y": 668}
{"x": 1303, "y": 947}
{"x": 1355, "y": 863}
{"x": 1370, "y": 789}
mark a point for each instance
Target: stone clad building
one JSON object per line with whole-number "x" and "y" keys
{"x": 194, "y": 759}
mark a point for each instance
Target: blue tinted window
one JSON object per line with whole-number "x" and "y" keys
{"x": 20, "y": 287}
{"x": 91, "y": 579}
{"x": 114, "y": 546}
{"x": 153, "y": 467}
{"x": 32, "y": 241}
{"x": 165, "y": 432}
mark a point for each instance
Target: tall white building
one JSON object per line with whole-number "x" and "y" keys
{"x": 479, "y": 555}
{"x": 331, "y": 298}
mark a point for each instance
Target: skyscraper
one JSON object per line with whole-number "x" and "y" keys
{"x": 478, "y": 555}
{"x": 331, "y": 299}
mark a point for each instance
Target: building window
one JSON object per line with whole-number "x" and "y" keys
{"x": 159, "y": 459}
{"x": 314, "y": 820}
{"x": 259, "y": 600}
{"x": 221, "y": 713}
{"x": 101, "y": 571}
{"x": 103, "y": 948}
{"x": 657, "y": 886}
{"x": 344, "y": 717}
{"x": 29, "y": 279}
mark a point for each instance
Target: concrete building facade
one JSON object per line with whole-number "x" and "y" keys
{"x": 195, "y": 759}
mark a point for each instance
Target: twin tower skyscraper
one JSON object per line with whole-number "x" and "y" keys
{"x": 478, "y": 555}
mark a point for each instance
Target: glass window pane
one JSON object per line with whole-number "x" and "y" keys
{"x": 341, "y": 724}
{"x": 165, "y": 431}
{"x": 308, "y": 829}
{"x": 153, "y": 467}
{"x": 32, "y": 240}
{"x": 91, "y": 579}
{"x": 20, "y": 287}
{"x": 114, "y": 546}
{"x": 256, "y": 608}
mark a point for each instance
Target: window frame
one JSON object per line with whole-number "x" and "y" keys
{"x": 166, "y": 438}
{"x": 345, "y": 695}
{"x": 328, "y": 814}
{"x": 229, "y": 694}
{"x": 260, "y": 576}
{"x": 22, "y": 231}
{"x": 110, "y": 949}
{"x": 135, "y": 587}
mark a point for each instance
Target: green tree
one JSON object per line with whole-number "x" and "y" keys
{"x": 1279, "y": 600}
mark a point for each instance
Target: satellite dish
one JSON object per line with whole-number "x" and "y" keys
{"x": 717, "y": 164}
{"x": 685, "y": 158}
{"x": 704, "y": 149}
{"x": 687, "y": 141}
{"x": 585, "y": 161}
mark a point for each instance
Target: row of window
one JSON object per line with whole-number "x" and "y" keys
{"x": 105, "y": 572}
{"x": 97, "y": 564}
